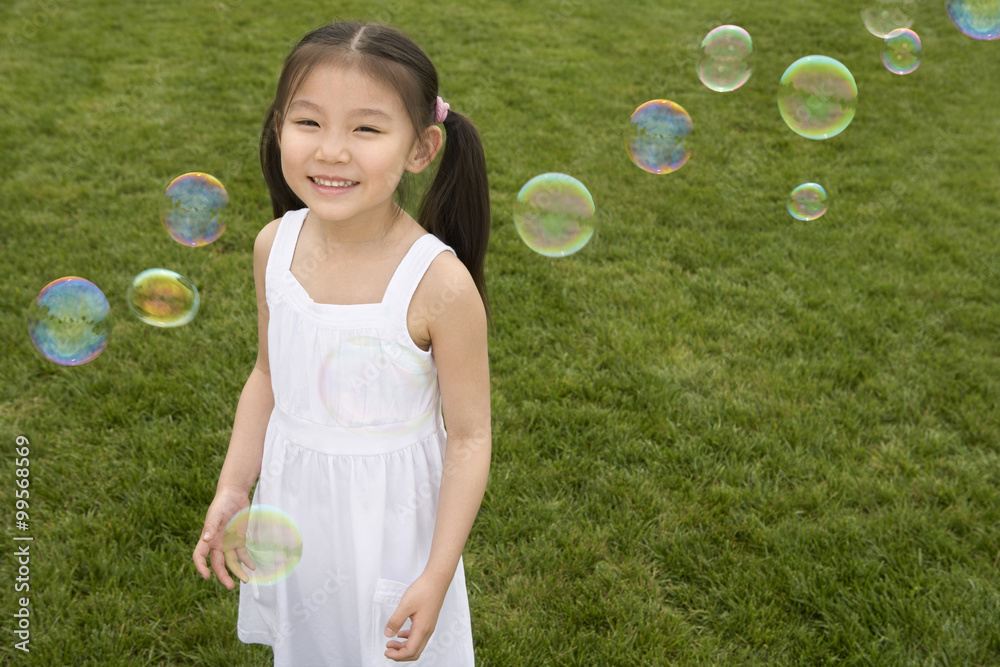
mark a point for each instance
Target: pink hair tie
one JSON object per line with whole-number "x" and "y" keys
{"x": 440, "y": 110}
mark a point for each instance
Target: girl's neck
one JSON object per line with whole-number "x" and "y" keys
{"x": 371, "y": 235}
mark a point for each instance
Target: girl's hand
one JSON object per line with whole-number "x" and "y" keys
{"x": 222, "y": 548}
{"x": 421, "y": 603}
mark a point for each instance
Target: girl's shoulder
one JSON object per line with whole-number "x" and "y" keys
{"x": 446, "y": 285}
{"x": 265, "y": 239}
{"x": 447, "y": 312}
{"x": 262, "y": 250}
{"x": 445, "y": 269}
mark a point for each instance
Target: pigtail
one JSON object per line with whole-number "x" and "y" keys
{"x": 456, "y": 208}
{"x": 282, "y": 197}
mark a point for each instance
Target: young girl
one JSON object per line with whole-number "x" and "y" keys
{"x": 371, "y": 325}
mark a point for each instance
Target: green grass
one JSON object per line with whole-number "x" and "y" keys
{"x": 722, "y": 437}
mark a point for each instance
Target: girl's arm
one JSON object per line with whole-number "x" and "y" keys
{"x": 246, "y": 445}
{"x": 448, "y": 301}
{"x": 458, "y": 337}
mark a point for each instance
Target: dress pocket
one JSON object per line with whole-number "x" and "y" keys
{"x": 388, "y": 593}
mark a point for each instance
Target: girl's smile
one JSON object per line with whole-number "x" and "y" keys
{"x": 327, "y": 182}
{"x": 332, "y": 186}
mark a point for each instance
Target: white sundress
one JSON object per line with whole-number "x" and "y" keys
{"x": 353, "y": 453}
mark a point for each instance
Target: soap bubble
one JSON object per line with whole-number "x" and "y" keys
{"x": 884, "y": 16}
{"x": 272, "y": 539}
{"x": 725, "y": 62}
{"x": 901, "y": 51}
{"x": 817, "y": 97}
{"x": 978, "y": 19}
{"x": 657, "y": 137}
{"x": 67, "y": 321}
{"x": 163, "y": 298}
{"x": 554, "y": 214}
{"x": 807, "y": 202}
{"x": 367, "y": 384}
{"x": 192, "y": 209}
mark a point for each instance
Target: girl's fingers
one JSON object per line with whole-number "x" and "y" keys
{"x": 200, "y": 553}
{"x": 203, "y": 550}
{"x": 412, "y": 648}
{"x": 223, "y": 549}
{"x": 219, "y": 567}
{"x": 235, "y": 566}
{"x": 243, "y": 554}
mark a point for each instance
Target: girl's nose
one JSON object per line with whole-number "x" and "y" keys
{"x": 332, "y": 148}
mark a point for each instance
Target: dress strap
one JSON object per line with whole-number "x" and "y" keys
{"x": 280, "y": 259}
{"x": 408, "y": 275}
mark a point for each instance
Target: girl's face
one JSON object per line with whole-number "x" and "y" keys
{"x": 345, "y": 142}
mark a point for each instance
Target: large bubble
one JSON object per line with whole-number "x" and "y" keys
{"x": 657, "y": 137}
{"x": 192, "y": 210}
{"x": 163, "y": 298}
{"x": 68, "y": 322}
{"x": 272, "y": 539}
{"x": 807, "y": 201}
{"x": 901, "y": 52}
{"x": 725, "y": 58}
{"x": 817, "y": 97}
{"x": 884, "y": 16}
{"x": 367, "y": 384}
{"x": 554, "y": 215}
{"x": 978, "y": 19}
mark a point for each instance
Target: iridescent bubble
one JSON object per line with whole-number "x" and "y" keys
{"x": 272, "y": 539}
{"x": 554, "y": 215}
{"x": 725, "y": 58}
{"x": 657, "y": 137}
{"x": 192, "y": 209}
{"x": 807, "y": 202}
{"x": 901, "y": 51}
{"x": 367, "y": 385}
{"x": 884, "y": 16}
{"x": 163, "y": 298}
{"x": 67, "y": 321}
{"x": 978, "y": 19}
{"x": 817, "y": 97}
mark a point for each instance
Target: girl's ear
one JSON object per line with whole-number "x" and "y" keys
{"x": 425, "y": 149}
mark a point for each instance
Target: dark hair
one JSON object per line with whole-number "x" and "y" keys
{"x": 456, "y": 208}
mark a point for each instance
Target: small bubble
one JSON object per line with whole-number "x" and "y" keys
{"x": 885, "y": 16}
{"x": 554, "y": 215}
{"x": 67, "y": 321}
{"x": 817, "y": 97}
{"x": 191, "y": 213}
{"x": 978, "y": 19}
{"x": 901, "y": 51}
{"x": 725, "y": 58}
{"x": 807, "y": 202}
{"x": 657, "y": 137}
{"x": 272, "y": 539}
{"x": 163, "y": 298}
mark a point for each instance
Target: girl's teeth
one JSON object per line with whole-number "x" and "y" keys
{"x": 334, "y": 184}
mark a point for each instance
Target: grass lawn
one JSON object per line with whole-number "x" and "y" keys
{"x": 721, "y": 436}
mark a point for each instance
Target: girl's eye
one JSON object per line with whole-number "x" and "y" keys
{"x": 365, "y": 128}
{"x": 307, "y": 123}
